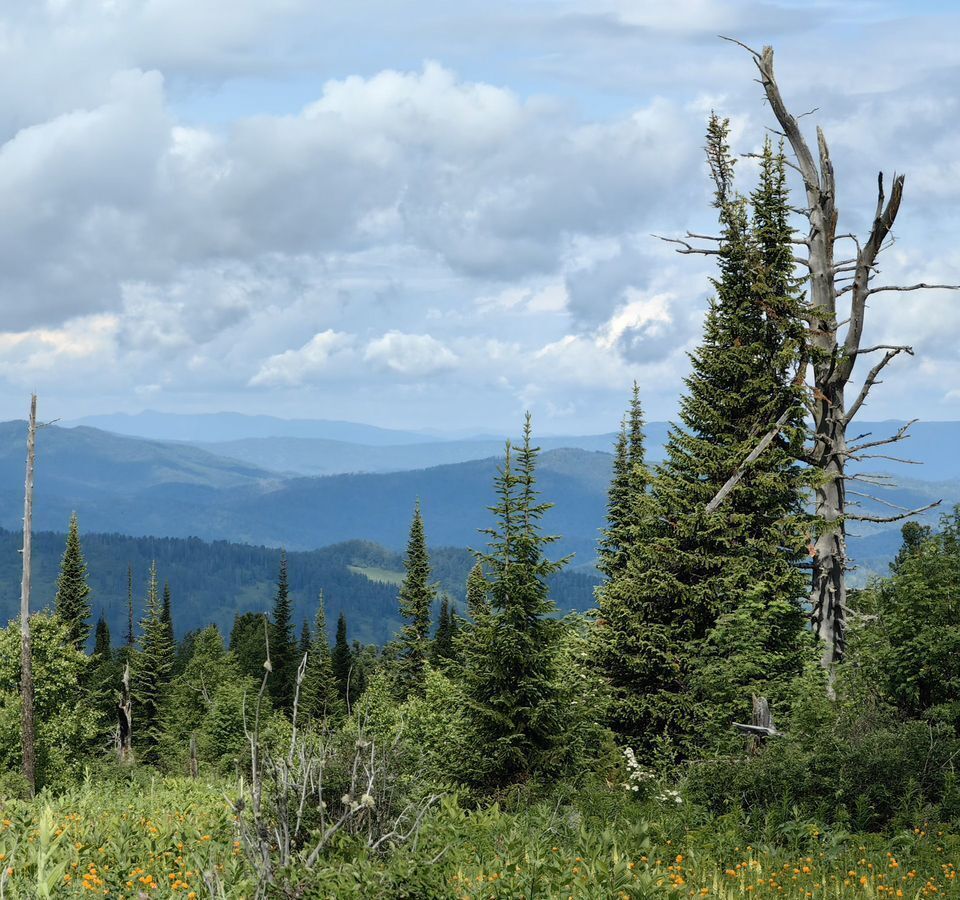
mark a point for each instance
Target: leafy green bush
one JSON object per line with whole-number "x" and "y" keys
{"x": 67, "y": 727}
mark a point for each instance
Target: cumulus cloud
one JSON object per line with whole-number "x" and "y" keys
{"x": 188, "y": 199}
{"x": 410, "y": 355}
{"x": 293, "y": 367}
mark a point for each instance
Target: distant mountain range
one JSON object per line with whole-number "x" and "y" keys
{"x": 252, "y": 489}
{"x": 230, "y": 426}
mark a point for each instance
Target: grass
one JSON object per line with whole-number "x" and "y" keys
{"x": 164, "y": 837}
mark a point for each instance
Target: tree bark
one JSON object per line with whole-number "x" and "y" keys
{"x": 28, "y": 729}
{"x": 125, "y": 711}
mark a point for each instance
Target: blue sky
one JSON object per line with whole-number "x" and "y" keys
{"x": 435, "y": 217}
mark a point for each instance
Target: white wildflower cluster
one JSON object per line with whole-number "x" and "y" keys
{"x": 641, "y": 779}
{"x": 637, "y": 776}
{"x": 668, "y": 795}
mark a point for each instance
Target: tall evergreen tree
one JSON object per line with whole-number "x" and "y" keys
{"x": 477, "y": 601}
{"x": 443, "y": 649}
{"x": 167, "y": 614}
{"x": 283, "y": 644}
{"x": 342, "y": 662}
{"x": 152, "y": 670}
{"x": 101, "y": 639}
{"x": 130, "y": 636}
{"x": 510, "y": 670}
{"x": 248, "y": 643}
{"x": 416, "y": 602}
{"x": 627, "y": 488}
{"x": 72, "y": 602}
{"x": 320, "y": 688}
{"x": 709, "y": 608}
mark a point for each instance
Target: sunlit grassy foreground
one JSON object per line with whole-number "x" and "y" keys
{"x": 177, "y": 838}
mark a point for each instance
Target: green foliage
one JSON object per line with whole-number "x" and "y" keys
{"x": 152, "y": 668}
{"x": 248, "y": 643}
{"x": 906, "y": 640}
{"x": 708, "y": 609}
{"x": 72, "y": 602}
{"x": 283, "y": 644}
{"x": 443, "y": 649}
{"x": 416, "y": 603}
{"x": 68, "y": 728}
{"x": 858, "y": 766}
{"x": 517, "y": 715}
{"x": 320, "y": 695}
{"x": 342, "y": 661}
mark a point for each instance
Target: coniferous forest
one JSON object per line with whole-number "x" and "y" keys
{"x": 726, "y": 716}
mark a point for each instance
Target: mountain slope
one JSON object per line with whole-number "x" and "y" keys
{"x": 119, "y": 484}
{"x": 212, "y": 582}
{"x": 228, "y": 426}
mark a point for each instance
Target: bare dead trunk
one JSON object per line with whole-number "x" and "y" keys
{"x": 831, "y": 357}
{"x": 125, "y": 712}
{"x": 828, "y": 599}
{"x": 28, "y": 729}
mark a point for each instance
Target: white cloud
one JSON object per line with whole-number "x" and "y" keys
{"x": 293, "y": 367}
{"x": 188, "y": 198}
{"x": 410, "y": 355}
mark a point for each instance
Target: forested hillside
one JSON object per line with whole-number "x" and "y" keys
{"x": 211, "y": 583}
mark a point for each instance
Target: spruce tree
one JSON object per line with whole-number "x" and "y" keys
{"x": 709, "y": 607}
{"x": 101, "y": 639}
{"x": 444, "y": 639}
{"x": 283, "y": 644}
{"x": 72, "y": 602}
{"x": 167, "y": 614}
{"x": 130, "y": 636}
{"x": 152, "y": 670}
{"x": 416, "y": 602}
{"x": 518, "y": 720}
{"x": 320, "y": 686}
{"x": 342, "y": 661}
{"x": 248, "y": 643}
{"x": 629, "y": 481}
{"x": 477, "y": 601}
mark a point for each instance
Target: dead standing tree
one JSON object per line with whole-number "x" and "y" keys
{"x": 833, "y": 279}
{"x": 27, "y": 726}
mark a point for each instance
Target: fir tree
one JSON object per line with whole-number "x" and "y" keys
{"x": 342, "y": 661}
{"x": 416, "y": 601}
{"x": 248, "y": 643}
{"x": 72, "y": 600}
{"x": 167, "y": 614}
{"x": 627, "y": 487}
{"x": 283, "y": 645}
{"x": 510, "y": 679}
{"x": 101, "y": 639}
{"x": 320, "y": 687}
{"x": 477, "y": 602}
{"x": 130, "y": 637}
{"x": 152, "y": 670}
{"x": 444, "y": 640}
{"x": 711, "y": 604}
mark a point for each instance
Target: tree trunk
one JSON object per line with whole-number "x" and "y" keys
{"x": 833, "y": 357}
{"x": 828, "y": 597}
{"x": 28, "y": 730}
{"x": 125, "y": 711}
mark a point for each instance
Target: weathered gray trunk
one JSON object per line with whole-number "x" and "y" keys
{"x": 125, "y": 712}
{"x": 27, "y": 726}
{"x": 828, "y": 596}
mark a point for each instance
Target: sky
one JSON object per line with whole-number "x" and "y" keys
{"x": 434, "y": 215}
